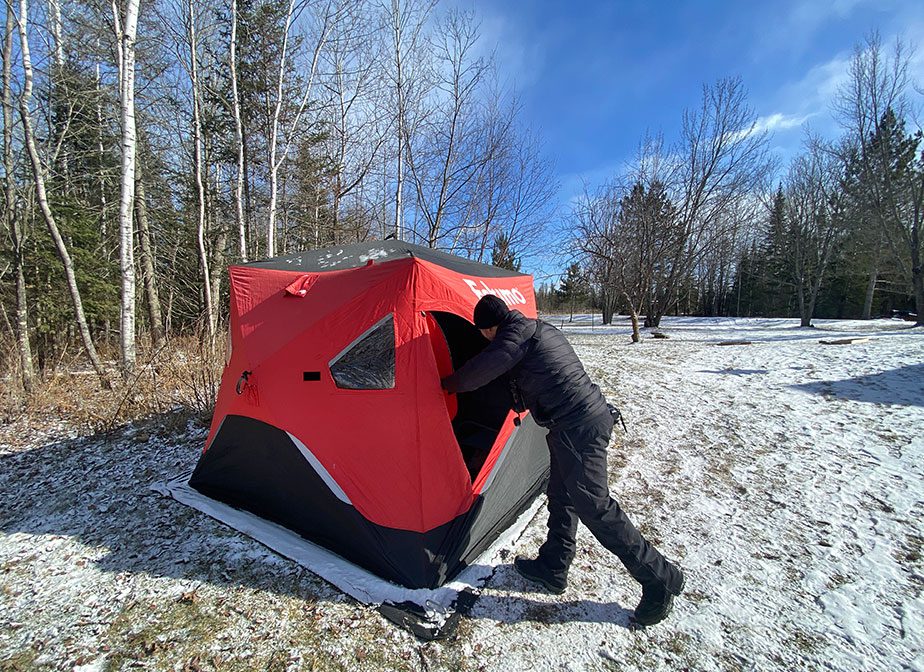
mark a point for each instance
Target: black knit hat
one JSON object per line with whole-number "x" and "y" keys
{"x": 490, "y": 311}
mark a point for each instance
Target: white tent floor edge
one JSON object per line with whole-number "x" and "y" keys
{"x": 346, "y": 576}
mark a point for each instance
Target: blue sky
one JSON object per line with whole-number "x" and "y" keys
{"x": 594, "y": 75}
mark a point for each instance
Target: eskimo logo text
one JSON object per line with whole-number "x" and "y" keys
{"x": 512, "y": 297}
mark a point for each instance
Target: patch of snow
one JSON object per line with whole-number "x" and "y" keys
{"x": 786, "y": 477}
{"x": 373, "y": 254}
{"x": 350, "y": 578}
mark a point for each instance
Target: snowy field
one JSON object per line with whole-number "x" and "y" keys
{"x": 785, "y": 476}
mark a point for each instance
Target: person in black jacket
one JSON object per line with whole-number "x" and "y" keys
{"x": 548, "y": 380}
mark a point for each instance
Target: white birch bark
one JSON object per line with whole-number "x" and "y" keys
{"x": 127, "y": 30}
{"x": 42, "y": 197}
{"x": 356, "y": 130}
{"x": 27, "y": 370}
{"x": 397, "y": 31}
{"x": 103, "y": 204}
{"x": 239, "y": 136}
{"x": 274, "y": 137}
{"x": 54, "y": 18}
{"x": 406, "y": 22}
{"x": 278, "y": 157}
{"x": 197, "y": 170}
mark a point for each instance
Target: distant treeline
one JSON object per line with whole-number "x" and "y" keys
{"x": 704, "y": 227}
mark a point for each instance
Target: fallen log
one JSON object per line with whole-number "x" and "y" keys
{"x": 843, "y": 341}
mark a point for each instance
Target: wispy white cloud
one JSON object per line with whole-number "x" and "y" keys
{"x": 772, "y": 123}
{"x": 809, "y": 14}
{"x": 519, "y": 60}
{"x": 793, "y": 31}
{"x": 811, "y": 94}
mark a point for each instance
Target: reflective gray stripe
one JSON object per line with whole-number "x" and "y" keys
{"x": 359, "y": 338}
{"x": 500, "y": 459}
{"x": 322, "y": 472}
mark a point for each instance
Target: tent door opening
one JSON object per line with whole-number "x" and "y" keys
{"x": 480, "y": 414}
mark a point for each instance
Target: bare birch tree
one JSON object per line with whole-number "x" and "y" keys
{"x": 24, "y": 346}
{"x": 814, "y": 219}
{"x": 126, "y": 27}
{"x": 721, "y": 158}
{"x": 38, "y": 173}
{"x": 406, "y": 20}
{"x": 198, "y": 169}
{"x": 54, "y": 19}
{"x": 356, "y": 135}
{"x": 238, "y": 137}
{"x": 282, "y": 140}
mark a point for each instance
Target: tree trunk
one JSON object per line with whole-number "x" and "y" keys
{"x": 103, "y": 204}
{"x": 274, "y": 138}
{"x": 217, "y": 266}
{"x": 633, "y": 314}
{"x": 149, "y": 278}
{"x": 917, "y": 278}
{"x": 870, "y": 292}
{"x": 276, "y": 157}
{"x": 23, "y": 344}
{"x": 239, "y": 137}
{"x": 608, "y": 307}
{"x": 399, "y": 92}
{"x": 54, "y": 19}
{"x": 253, "y": 244}
{"x": 126, "y": 224}
{"x": 42, "y": 197}
{"x": 805, "y": 317}
{"x": 197, "y": 170}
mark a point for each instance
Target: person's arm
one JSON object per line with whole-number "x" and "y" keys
{"x": 501, "y": 355}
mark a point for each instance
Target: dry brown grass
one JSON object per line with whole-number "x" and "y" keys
{"x": 183, "y": 375}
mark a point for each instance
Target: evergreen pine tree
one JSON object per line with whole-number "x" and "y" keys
{"x": 502, "y": 255}
{"x": 573, "y": 288}
{"x": 777, "y": 297}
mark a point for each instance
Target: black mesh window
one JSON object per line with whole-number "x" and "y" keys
{"x": 369, "y": 362}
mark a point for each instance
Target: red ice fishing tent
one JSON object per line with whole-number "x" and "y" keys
{"x": 330, "y": 418}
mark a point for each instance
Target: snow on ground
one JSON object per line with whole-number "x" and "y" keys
{"x": 786, "y": 477}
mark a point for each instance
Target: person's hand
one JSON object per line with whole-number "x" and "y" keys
{"x": 449, "y": 384}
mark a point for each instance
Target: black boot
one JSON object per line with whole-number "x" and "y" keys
{"x": 535, "y": 571}
{"x": 657, "y": 601}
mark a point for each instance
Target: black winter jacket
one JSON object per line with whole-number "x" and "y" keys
{"x": 546, "y": 377}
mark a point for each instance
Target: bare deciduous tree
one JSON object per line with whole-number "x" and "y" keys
{"x": 126, "y": 26}
{"x": 38, "y": 174}
{"x": 281, "y": 141}
{"x": 449, "y": 159}
{"x": 148, "y": 275}
{"x": 814, "y": 220}
{"x": 238, "y": 137}
{"x": 721, "y": 158}
{"x": 23, "y": 343}
{"x": 406, "y": 20}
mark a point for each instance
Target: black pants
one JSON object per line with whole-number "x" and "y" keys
{"x": 578, "y": 489}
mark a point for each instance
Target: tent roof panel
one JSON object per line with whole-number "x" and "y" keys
{"x": 359, "y": 254}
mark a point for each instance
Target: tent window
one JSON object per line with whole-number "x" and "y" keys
{"x": 368, "y": 363}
